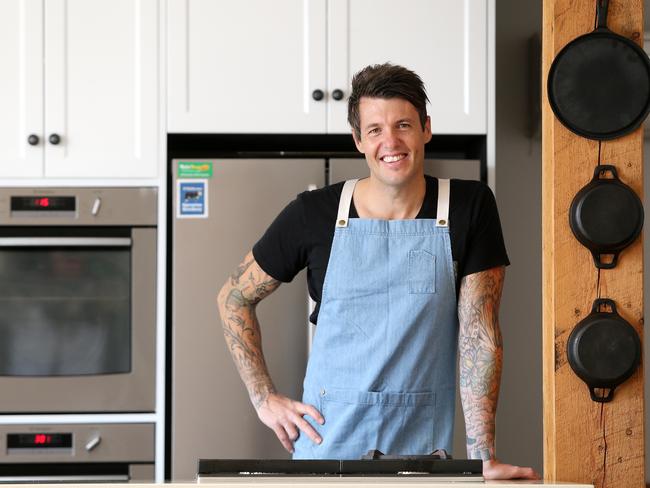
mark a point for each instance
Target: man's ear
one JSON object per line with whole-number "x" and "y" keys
{"x": 427, "y": 130}
{"x": 357, "y": 142}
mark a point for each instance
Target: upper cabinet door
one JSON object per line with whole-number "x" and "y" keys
{"x": 445, "y": 42}
{"x": 246, "y": 66}
{"x": 21, "y": 88}
{"x": 101, "y": 88}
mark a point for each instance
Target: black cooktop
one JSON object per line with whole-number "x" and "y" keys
{"x": 390, "y": 466}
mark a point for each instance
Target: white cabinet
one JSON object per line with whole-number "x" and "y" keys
{"x": 252, "y": 66}
{"x": 85, "y": 72}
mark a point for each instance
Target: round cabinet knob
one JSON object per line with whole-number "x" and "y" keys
{"x": 318, "y": 95}
{"x": 337, "y": 94}
{"x": 33, "y": 140}
{"x": 54, "y": 139}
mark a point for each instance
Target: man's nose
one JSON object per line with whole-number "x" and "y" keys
{"x": 390, "y": 138}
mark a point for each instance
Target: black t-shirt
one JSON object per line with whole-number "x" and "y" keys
{"x": 302, "y": 234}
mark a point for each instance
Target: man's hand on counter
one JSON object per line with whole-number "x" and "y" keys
{"x": 495, "y": 470}
{"x": 285, "y": 417}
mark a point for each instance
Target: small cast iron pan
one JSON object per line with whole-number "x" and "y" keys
{"x": 599, "y": 83}
{"x": 606, "y": 216}
{"x": 603, "y": 350}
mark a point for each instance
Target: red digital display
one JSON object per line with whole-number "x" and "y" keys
{"x": 42, "y": 439}
{"x": 39, "y": 440}
{"x": 43, "y": 203}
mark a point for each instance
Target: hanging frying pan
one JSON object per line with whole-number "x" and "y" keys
{"x": 603, "y": 350}
{"x": 606, "y": 216}
{"x": 599, "y": 83}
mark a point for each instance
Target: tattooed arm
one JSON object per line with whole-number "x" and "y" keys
{"x": 237, "y": 300}
{"x": 480, "y": 359}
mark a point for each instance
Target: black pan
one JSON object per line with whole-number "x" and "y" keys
{"x": 606, "y": 216}
{"x": 599, "y": 83}
{"x": 603, "y": 350}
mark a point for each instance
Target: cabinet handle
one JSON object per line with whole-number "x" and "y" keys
{"x": 337, "y": 94}
{"x": 318, "y": 95}
{"x": 32, "y": 140}
{"x": 54, "y": 139}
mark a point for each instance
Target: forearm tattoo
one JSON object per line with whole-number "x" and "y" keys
{"x": 237, "y": 301}
{"x": 480, "y": 358}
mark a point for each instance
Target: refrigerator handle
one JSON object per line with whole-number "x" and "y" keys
{"x": 311, "y": 304}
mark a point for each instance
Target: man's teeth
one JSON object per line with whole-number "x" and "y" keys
{"x": 392, "y": 159}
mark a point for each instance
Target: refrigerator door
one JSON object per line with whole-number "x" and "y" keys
{"x": 211, "y": 414}
{"x": 464, "y": 169}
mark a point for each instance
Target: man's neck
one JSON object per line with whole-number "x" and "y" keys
{"x": 375, "y": 200}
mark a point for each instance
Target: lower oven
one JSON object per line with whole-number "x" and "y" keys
{"x": 77, "y": 453}
{"x": 77, "y": 300}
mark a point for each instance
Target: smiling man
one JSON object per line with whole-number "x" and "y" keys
{"x": 407, "y": 272}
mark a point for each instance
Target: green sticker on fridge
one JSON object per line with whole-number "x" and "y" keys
{"x": 194, "y": 169}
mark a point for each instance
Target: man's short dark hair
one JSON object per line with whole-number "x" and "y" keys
{"x": 386, "y": 81}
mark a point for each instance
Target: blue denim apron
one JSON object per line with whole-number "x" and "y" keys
{"x": 382, "y": 366}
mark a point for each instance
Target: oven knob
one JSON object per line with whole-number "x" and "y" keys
{"x": 96, "y": 205}
{"x": 93, "y": 443}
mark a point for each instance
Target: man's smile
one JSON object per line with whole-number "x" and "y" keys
{"x": 392, "y": 158}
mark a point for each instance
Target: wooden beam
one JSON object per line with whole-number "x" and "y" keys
{"x": 585, "y": 441}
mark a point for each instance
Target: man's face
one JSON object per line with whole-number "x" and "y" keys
{"x": 392, "y": 139}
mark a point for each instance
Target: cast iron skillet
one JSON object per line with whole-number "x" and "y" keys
{"x": 603, "y": 350}
{"x": 606, "y": 216}
{"x": 599, "y": 83}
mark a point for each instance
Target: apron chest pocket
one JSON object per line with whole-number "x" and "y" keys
{"x": 422, "y": 271}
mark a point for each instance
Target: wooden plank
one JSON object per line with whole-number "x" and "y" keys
{"x": 585, "y": 441}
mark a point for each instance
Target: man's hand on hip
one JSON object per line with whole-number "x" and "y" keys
{"x": 285, "y": 417}
{"x": 495, "y": 470}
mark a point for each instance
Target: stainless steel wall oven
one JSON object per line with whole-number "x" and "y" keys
{"x": 77, "y": 300}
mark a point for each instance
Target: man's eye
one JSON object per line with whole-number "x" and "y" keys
{"x": 404, "y": 125}
{"x": 373, "y": 131}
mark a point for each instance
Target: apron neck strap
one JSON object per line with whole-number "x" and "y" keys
{"x": 344, "y": 203}
{"x": 442, "y": 220}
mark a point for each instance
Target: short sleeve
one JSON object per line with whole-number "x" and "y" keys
{"x": 485, "y": 245}
{"x": 280, "y": 252}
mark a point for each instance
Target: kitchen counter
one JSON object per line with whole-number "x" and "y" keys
{"x": 369, "y": 482}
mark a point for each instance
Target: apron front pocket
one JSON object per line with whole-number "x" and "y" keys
{"x": 422, "y": 271}
{"x": 358, "y": 421}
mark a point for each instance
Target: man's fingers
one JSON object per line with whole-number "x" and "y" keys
{"x": 528, "y": 473}
{"x": 307, "y": 429}
{"x": 282, "y": 436}
{"x": 291, "y": 430}
{"x": 310, "y": 410}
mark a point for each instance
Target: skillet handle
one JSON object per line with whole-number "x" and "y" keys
{"x": 601, "y": 14}
{"x": 602, "y": 168}
{"x": 601, "y": 399}
{"x": 595, "y": 308}
{"x": 602, "y": 265}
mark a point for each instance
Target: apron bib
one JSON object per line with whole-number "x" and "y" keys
{"x": 382, "y": 368}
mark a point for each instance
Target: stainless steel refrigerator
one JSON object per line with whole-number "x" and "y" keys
{"x": 217, "y": 217}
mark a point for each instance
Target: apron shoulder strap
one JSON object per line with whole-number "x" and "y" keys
{"x": 442, "y": 220}
{"x": 344, "y": 203}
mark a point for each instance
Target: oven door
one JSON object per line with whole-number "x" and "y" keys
{"x": 77, "y": 319}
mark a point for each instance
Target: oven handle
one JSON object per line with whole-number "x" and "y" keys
{"x": 60, "y": 478}
{"x": 65, "y": 241}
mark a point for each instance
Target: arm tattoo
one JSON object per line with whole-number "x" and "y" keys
{"x": 480, "y": 358}
{"x": 237, "y": 301}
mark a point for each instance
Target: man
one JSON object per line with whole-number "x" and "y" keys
{"x": 383, "y": 256}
